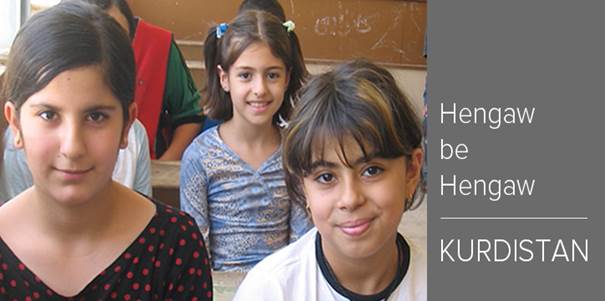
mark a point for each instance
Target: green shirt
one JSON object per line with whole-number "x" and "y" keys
{"x": 181, "y": 101}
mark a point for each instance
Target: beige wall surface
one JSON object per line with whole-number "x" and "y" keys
{"x": 388, "y": 31}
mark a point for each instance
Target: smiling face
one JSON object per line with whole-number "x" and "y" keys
{"x": 256, "y": 81}
{"x": 357, "y": 208}
{"x": 71, "y": 132}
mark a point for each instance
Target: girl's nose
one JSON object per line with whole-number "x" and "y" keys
{"x": 352, "y": 195}
{"x": 72, "y": 142}
{"x": 260, "y": 87}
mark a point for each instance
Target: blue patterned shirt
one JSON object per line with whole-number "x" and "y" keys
{"x": 243, "y": 213}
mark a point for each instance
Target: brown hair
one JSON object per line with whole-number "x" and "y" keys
{"x": 358, "y": 100}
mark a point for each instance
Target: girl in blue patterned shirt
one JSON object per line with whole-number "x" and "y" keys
{"x": 232, "y": 180}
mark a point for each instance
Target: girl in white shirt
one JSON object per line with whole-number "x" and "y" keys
{"x": 352, "y": 153}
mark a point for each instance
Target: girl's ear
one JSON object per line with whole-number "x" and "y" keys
{"x": 412, "y": 173}
{"x": 11, "y": 115}
{"x": 223, "y": 77}
{"x": 132, "y": 115}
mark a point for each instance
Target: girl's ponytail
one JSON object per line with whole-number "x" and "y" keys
{"x": 214, "y": 98}
{"x": 299, "y": 69}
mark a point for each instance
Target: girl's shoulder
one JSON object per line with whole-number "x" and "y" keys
{"x": 286, "y": 274}
{"x": 208, "y": 135}
{"x": 203, "y": 143}
{"x": 175, "y": 237}
{"x": 15, "y": 214}
{"x": 173, "y": 219}
{"x": 165, "y": 222}
{"x": 418, "y": 258}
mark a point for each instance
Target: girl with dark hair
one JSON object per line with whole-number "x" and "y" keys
{"x": 231, "y": 175}
{"x": 133, "y": 166}
{"x": 273, "y": 7}
{"x": 77, "y": 234}
{"x": 353, "y": 153}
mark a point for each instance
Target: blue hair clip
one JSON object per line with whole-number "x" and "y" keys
{"x": 221, "y": 29}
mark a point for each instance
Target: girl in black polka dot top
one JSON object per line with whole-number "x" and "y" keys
{"x": 166, "y": 261}
{"x": 76, "y": 234}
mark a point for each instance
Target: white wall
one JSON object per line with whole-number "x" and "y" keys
{"x": 9, "y": 22}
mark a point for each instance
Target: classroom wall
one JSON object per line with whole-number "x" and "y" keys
{"x": 397, "y": 23}
{"x": 387, "y": 31}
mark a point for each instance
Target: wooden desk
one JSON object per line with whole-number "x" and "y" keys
{"x": 165, "y": 174}
{"x": 165, "y": 181}
{"x": 225, "y": 284}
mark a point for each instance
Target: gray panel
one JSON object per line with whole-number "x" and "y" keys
{"x": 542, "y": 54}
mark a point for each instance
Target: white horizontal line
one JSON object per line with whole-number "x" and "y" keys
{"x": 190, "y": 42}
{"x": 514, "y": 218}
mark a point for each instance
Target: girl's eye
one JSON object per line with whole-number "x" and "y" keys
{"x": 97, "y": 116}
{"x": 245, "y": 75}
{"x": 273, "y": 75}
{"x": 372, "y": 171}
{"x": 325, "y": 178}
{"x": 48, "y": 115}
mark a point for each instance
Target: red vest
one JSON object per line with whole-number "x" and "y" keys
{"x": 151, "y": 46}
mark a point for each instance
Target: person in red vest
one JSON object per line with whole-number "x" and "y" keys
{"x": 167, "y": 98}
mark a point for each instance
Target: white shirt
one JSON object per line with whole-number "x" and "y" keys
{"x": 133, "y": 166}
{"x": 293, "y": 274}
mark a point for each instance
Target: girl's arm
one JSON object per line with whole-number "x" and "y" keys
{"x": 181, "y": 138}
{"x": 193, "y": 190}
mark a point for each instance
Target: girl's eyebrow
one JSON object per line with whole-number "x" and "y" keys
{"x": 90, "y": 109}
{"x": 328, "y": 164}
{"x": 251, "y": 68}
{"x": 364, "y": 159}
{"x": 102, "y": 108}
{"x": 43, "y": 106}
{"x": 322, "y": 163}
